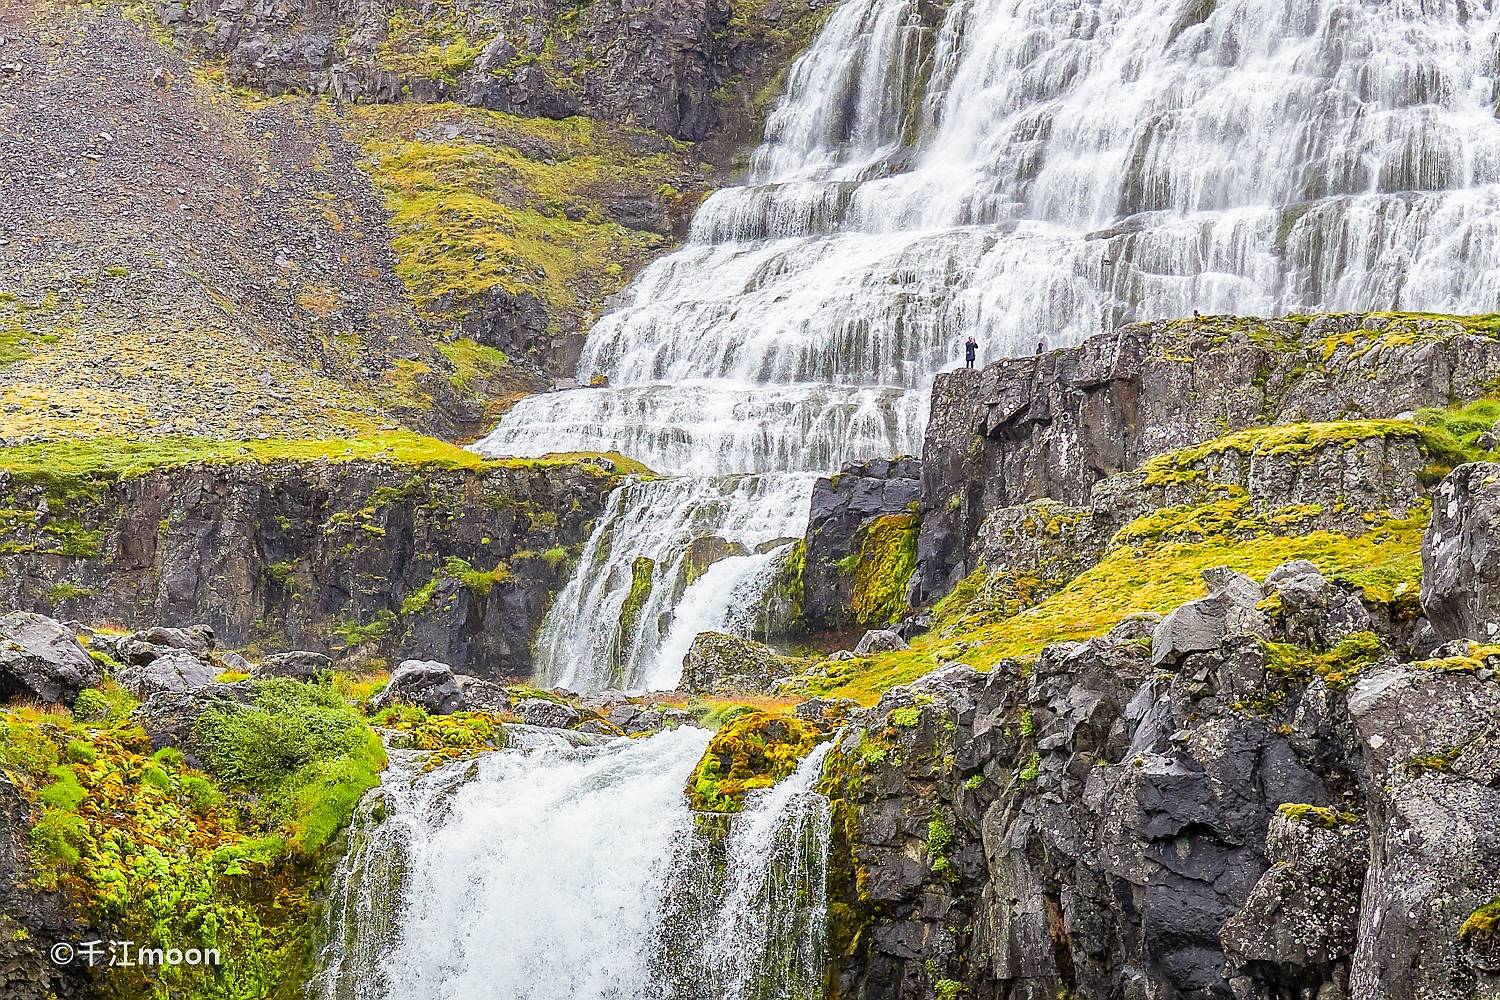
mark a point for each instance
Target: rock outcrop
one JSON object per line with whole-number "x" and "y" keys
{"x": 718, "y": 663}
{"x": 41, "y": 659}
{"x": 852, "y": 514}
{"x": 1244, "y": 806}
{"x": 361, "y": 559}
{"x": 1461, "y": 557}
{"x": 664, "y": 65}
{"x": 1050, "y": 427}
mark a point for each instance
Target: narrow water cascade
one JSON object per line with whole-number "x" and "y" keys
{"x": 1033, "y": 172}
{"x": 561, "y": 867}
{"x": 668, "y": 559}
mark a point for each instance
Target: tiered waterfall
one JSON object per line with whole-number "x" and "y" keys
{"x": 1029, "y": 172}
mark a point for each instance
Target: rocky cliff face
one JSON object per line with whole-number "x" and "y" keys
{"x": 362, "y": 558}
{"x": 670, "y": 66}
{"x": 861, "y": 524}
{"x": 1052, "y": 426}
{"x": 1257, "y": 796}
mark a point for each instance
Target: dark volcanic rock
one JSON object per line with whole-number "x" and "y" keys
{"x": 299, "y": 665}
{"x": 175, "y": 672}
{"x": 841, "y": 506}
{"x": 299, "y": 555}
{"x": 41, "y": 659}
{"x": 1461, "y": 555}
{"x": 1054, "y": 425}
{"x": 548, "y": 714}
{"x": 1098, "y": 827}
{"x": 424, "y": 683}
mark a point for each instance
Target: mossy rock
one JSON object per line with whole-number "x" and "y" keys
{"x": 751, "y": 752}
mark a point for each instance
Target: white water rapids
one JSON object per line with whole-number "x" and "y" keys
{"x": 564, "y": 871}
{"x": 1025, "y": 171}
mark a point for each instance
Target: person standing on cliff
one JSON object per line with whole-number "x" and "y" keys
{"x": 971, "y": 348}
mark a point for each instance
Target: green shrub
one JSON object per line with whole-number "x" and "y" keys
{"x": 302, "y": 748}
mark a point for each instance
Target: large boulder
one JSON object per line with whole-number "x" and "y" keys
{"x": 548, "y": 714}
{"x": 1430, "y": 740}
{"x": 426, "y": 684}
{"x": 1202, "y": 625}
{"x": 1461, "y": 555}
{"x": 718, "y": 663}
{"x": 140, "y": 648}
{"x": 175, "y": 672}
{"x": 1301, "y": 918}
{"x": 41, "y": 659}
{"x": 299, "y": 665}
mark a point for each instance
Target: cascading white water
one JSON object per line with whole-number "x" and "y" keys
{"x": 1041, "y": 170}
{"x": 560, "y": 869}
{"x": 692, "y": 552}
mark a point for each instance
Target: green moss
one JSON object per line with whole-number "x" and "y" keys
{"x": 301, "y": 747}
{"x": 939, "y": 839}
{"x": 151, "y": 848}
{"x": 1319, "y": 816}
{"x": 947, "y": 989}
{"x": 522, "y": 215}
{"x": 1339, "y": 667}
{"x": 881, "y": 567}
{"x": 751, "y": 752}
{"x": 473, "y": 363}
{"x": 1483, "y": 925}
{"x": 905, "y": 718}
{"x": 642, "y": 571}
{"x": 458, "y": 734}
{"x": 479, "y": 582}
{"x": 62, "y": 592}
{"x": 352, "y": 634}
{"x": 420, "y": 599}
{"x": 1293, "y": 440}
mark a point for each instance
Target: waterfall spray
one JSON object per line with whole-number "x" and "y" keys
{"x": 554, "y": 868}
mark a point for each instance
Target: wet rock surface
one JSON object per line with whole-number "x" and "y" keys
{"x": 843, "y": 505}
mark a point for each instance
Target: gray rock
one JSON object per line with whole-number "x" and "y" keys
{"x": 40, "y": 659}
{"x": 634, "y": 719}
{"x": 1202, "y": 625}
{"x": 718, "y": 663}
{"x": 298, "y": 665}
{"x": 174, "y": 672}
{"x": 1302, "y": 917}
{"x": 426, "y": 684}
{"x": 1461, "y": 555}
{"x": 548, "y": 714}
{"x": 881, "y": 640}
{"x": 482, "y": 695}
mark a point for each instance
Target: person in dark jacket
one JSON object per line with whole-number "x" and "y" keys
{"x": 971, "y": 348}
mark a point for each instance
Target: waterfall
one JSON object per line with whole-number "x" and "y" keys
{"x": 1037, "y": 171}
{"x": 666, "y": 560}
{"x": 561, "y": 868}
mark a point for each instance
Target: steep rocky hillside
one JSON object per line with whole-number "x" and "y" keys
{"x": 197, "y": 243}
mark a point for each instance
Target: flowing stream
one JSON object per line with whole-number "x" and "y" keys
{"x": 1024, "y": 171}
{"x": 560, "y": 868}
